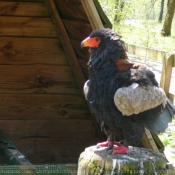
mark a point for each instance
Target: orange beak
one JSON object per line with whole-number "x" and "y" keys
{"x": 90, "y": 42}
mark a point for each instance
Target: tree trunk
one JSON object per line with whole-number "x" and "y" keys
{"x": 166, "y": 30}
{"x": 138, "y": 161}
{"x": 161, "y": 11}
{"x": 119, "y": 5}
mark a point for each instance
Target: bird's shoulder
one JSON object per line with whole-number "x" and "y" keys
{"x": 124, "y": 64}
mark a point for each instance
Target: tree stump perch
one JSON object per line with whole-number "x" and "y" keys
{"x": 139, "y": 161}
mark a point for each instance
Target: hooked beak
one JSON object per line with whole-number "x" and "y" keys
{"x": 90, "y": 42}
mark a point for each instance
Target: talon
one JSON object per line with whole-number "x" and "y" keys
{"x": 120, "y": 149}
{"x": 108, "y": 144}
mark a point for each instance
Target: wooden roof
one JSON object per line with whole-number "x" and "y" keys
{"x": 42, "y": 72}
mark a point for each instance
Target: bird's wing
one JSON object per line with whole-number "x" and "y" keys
{"x": 144, "y": 102}
{"x": 135, "y": 99}
{"x": 142, "y": 93}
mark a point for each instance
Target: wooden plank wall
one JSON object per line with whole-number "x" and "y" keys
{"x": 78, "y": 27}
{"x": 41, "y": 107}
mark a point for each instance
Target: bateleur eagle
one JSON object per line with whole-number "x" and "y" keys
{"x": 124, "y": 96}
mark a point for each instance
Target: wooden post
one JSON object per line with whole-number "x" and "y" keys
{"x": 168, "y": 64}
{"x": 66, "y": 43}
{"x": 138, "y": 161}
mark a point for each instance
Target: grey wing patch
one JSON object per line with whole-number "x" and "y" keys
{"x": 86, "y": 88}
{"x": 135, "y": 99}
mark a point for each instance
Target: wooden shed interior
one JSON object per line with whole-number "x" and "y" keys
{"x": 42, "y": 71}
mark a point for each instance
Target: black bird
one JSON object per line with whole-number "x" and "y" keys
{"x": 124, "y": 96}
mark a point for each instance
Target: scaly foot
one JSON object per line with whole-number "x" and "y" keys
{"x": 120, "y": 149}
{"x": 117, "y": 147}
{"x": 108, "y": 144}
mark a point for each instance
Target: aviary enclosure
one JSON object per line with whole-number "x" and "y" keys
{"x": 43, "y": 111}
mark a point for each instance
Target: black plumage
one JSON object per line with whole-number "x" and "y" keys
{"x": 110, "y": 70}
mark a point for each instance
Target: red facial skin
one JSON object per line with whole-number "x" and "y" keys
{"x": 91, "y": 42}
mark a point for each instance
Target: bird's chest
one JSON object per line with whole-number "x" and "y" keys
{"x": 102, "y": 90}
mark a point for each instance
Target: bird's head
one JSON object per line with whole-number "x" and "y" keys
{"x": 104, "y": 44}
{"x": 99, "y": 38}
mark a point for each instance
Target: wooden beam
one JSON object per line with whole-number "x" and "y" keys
{"x": 66, "y": 43}
{"x": 71, "y": 9}
{"x": 168, "y": 63}
{"x": 92, "y": 14}
{"x": 76, "y": 67}
{"x": 148, "y": 141}
{"x": 105, "y": 20}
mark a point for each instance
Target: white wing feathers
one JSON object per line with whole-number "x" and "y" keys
{"x": 86, "y": 89}
{"x": 135, "y": 99}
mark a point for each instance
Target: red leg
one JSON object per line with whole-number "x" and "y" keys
{"x": 117, "y": 147}
{"x": 120, "y": 149}
{"x": 107, "y": 143}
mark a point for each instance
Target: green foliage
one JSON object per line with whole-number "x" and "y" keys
{"x": 116, "y": 10}
{"x": 147, "y": 34}
{"x": 168, "y": 137}
{"x": 109, "y": 8}
{"x": 138, "y": 23}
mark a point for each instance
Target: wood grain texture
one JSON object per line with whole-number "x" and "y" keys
{"x": 16, "y": 50}
{"x": 26, "y": 72}
{"x": 54, "y": 141}
{"x": 77, "y": 29}
{"x": 23, "y": 9}
{"x": 83, "y": 63}
{"x": 71, "y": 9}
{"x": 43, "y": 128}
{"x": 78, "y": 73}
{"x": 83, "y": 53}
{"x": 37, "y": 79}
{"x": 42, "y": 106}
{"x": 53, "y": 150}
{"x": 27, "y": 26}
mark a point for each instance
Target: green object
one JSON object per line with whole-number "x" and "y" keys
{"x": 6, "y": 141}
{"x": 103, "y": 16}
{"x": 60, "y": 169}
{"x": 9, "y": 151}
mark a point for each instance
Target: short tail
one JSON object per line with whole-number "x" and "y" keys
{"x": 159, "y": 123}
{"x": 164, "y": 118}
{"x": 171, "y": 107}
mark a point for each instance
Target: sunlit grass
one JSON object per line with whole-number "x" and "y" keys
{"x": 134, "y": 27}
{"x": 147, "y": 34}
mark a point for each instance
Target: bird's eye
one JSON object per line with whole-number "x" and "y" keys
{"x": 97, "y": 39}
